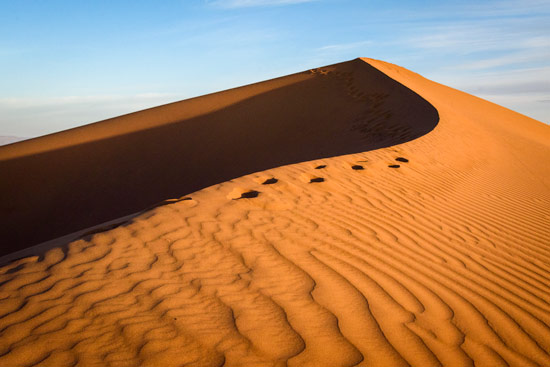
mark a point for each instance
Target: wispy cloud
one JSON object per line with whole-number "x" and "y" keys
{"x": 255, "y": 3}
{"x": 523, "y": 90}
{"x": 344, "y": 46}
{"x": 497, "y": 50}
{"x": 519, "y": 81}
{"x": 472, "y": 35}
{"x": 503, "y": 8}
{"x": 508, "y": 60}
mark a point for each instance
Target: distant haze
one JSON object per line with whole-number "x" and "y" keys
{"x": 4, "y": 140}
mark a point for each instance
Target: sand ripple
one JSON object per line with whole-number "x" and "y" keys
{"x": 443, "y": 261}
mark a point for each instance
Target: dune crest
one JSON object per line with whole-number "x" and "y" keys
{"x": 99, "y": 172}
{"x": 433, "y": 251}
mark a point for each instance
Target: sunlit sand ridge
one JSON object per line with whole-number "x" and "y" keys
{"x": 430, "y": 249}
{"x": 107, "y": 170}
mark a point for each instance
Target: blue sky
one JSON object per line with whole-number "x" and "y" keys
{"x": 68, "y": 63}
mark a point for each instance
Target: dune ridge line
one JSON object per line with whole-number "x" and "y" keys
{"x": 79, "y": 178}
{"x": 433, "y": 251}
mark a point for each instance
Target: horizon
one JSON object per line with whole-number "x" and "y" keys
{"x": 67, "y": 65}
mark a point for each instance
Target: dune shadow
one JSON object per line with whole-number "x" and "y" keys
{"x": 249, "y": 195}
{"x": 302, "y": 117}
{"x": 316, "y": 179}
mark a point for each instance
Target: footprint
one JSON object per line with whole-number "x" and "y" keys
{"x": 401, "y": 159}
{"x": 249, "y": 195}
{"x": 357, "y": 167}
{"x": 170, "y": 201}
{"x": 270, "y": 181}
{"x": 240, "y": 193}
{"x": 316, "y": 179}
{"x": 321, "y": 166}
{"x": 394, "y": 166}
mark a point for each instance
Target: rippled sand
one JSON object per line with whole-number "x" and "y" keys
{"x": 427, "y": 252}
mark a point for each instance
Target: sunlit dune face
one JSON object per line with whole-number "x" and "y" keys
{"x": 429, "y": 251}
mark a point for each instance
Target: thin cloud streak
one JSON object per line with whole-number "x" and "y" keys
{"x": 522, "y": 90}
{"x": 344, "y": 46}
{"x": 507, "y": 8}
{"x": 232, "y": 4}
{"x": 518, "y": 58}
{"x": 498, "y": 51}
{"x": 496, "y": 48}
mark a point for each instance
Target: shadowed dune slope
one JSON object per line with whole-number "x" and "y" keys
{"x": 433, "y": 252}
{"x": 64, "y": 182}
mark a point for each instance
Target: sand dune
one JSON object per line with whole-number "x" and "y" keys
{"x": 428, "y": 246}
{"x": 99, "y": 172}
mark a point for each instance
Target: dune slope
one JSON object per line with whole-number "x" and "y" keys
{"x": 430, "y": 252}
{"x": 82, "y": 177}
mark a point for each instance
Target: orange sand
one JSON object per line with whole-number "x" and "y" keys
{"x": 329, "y": 261}
{"x": 81, "y": 177}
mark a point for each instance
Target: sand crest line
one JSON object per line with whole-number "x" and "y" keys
{"x": 441, "y": 261}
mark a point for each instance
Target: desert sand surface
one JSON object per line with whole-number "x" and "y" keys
{"x": 65, "y": 182}
{"x": 374, "y": 218}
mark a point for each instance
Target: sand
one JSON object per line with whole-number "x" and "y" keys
{"x": 375, "y": 218}
{"x": 65, "y": 182}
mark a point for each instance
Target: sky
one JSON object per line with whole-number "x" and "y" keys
{"x": 68, "y": 63}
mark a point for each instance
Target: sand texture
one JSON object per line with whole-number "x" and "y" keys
{"x": 418, "y": 235}
{"x": 79, "y": 178}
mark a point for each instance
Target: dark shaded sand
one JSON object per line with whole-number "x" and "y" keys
{"x": 442, "y": 262}
{"x": 64, "y": 182}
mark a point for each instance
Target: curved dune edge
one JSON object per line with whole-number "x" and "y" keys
{"x": 76, "y": 179}
{"x": 443, "y": 260}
